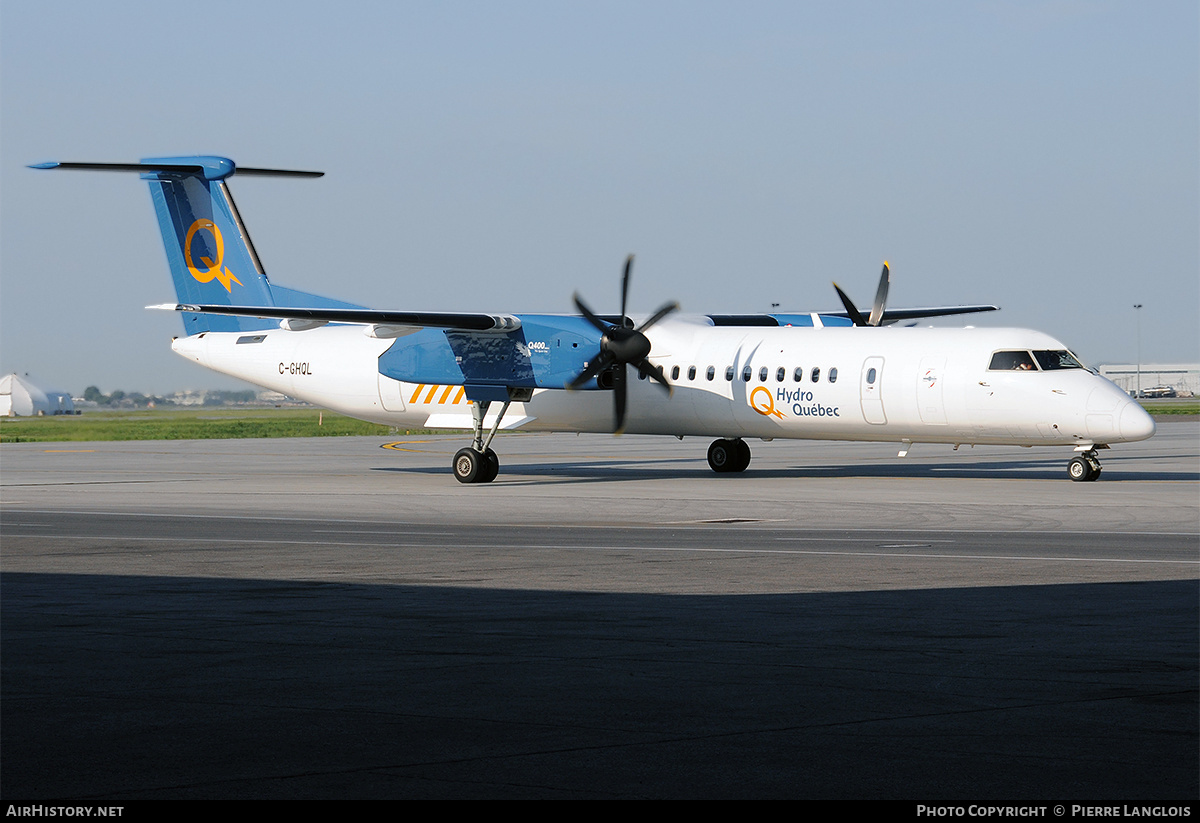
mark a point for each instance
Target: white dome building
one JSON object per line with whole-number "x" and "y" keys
{"x": 19, "y": 397}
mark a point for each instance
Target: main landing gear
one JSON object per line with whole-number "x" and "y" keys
{"x": 479, "y": 464}
{"x": 1084, "y": 467}
{"x": 729, "y": 455}
{"x": 473, "y": 466}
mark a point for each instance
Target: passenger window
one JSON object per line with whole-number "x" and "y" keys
{"x": 692, "y": 373}
{"x": 711, "y": 373}
{"x": 870, "y": 377}
{"x": 762, "y": 375}
{"x": 798, "y": 375}
{"x": 780, "y": 374}
{"x": 833, "y": 375}
{"x": 675, "y": 373}
{"x": 746, "y": 373}
{"x": 729, "y": 372}
{"x": 1011, "y": 361}
{"x": 816, "y": 374}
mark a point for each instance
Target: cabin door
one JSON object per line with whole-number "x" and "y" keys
{"x": 870, "y": 387}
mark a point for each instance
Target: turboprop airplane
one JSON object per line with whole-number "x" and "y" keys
{"x": 815, "y": 376}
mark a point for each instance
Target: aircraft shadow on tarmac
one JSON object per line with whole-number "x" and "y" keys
{"x": 140, "y": 687}
{"x": 594, "y": 470}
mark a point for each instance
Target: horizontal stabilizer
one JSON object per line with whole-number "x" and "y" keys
{"x": 210, "y": 168}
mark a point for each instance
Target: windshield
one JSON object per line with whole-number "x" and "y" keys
{"x": 1060, "y": 359}
{"x": 1011, "y": 361}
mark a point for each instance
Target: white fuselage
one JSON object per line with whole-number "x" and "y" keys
{"x": 892, "y": 384}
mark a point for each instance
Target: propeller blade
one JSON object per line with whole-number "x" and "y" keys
{"x": 880, "y": 297}
{"x": 659, "y": 315}
{"x": 851, "y": 309}
{"x": 621, "y": 345}
{"x": 590, "y": 315}
{"x": 619, "y": 398}
{"x": 597, "y": 365}
{"x": 625, "y": 321}
{"x": 646, "y": 369}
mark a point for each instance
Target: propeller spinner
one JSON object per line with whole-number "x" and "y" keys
{"x": 621, "y": 346}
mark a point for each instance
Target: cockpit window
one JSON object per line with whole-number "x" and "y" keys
{"x": 1057, "y": 359}
{"x": 1012, "y": 361}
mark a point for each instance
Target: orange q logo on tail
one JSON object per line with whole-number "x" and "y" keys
{"x": 213, "y": 270}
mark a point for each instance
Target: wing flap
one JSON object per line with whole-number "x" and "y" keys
{"x": 463, "y": 421}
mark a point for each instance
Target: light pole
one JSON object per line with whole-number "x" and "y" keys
{"x": 1138, "y": 314}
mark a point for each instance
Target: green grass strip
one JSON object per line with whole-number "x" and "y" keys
{"x": 189, "y": 424}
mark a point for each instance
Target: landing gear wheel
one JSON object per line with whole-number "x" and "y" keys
{"x": 728, "y": 455}
{"x": 491, "y": 467}
{"x": 468, "y": 464}
{"x": 1083, "y": 468}
{"x": 471, "y": 466}
{"x": 743, "y": 455}
{"x": 722, "y": 454}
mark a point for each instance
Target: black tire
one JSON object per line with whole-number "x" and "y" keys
{"x": 743, "y": 455}
{"x": 490, "y": 468}
{"x": 722, "y": 456}
{"x": 1080, "y": 470}
{"x": 467, "y": 465}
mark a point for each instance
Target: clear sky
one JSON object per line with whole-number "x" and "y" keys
{"x": 484, "y": 156}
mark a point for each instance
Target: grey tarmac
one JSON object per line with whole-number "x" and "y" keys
{"x": 330, "y": 618}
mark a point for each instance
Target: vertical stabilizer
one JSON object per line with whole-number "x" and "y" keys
{"x": 209, "y": 252}
{"x": 211, "y": 257}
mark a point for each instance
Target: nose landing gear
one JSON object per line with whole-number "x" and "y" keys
{"x": 1084, "y": 467}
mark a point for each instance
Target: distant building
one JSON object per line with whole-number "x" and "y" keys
{"x": 190, "y": 397}
{"x": 1182, "y": 378}
{"x": 20, "y": 397}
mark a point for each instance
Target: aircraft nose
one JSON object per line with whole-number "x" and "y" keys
{"x": 1136, "y": 424}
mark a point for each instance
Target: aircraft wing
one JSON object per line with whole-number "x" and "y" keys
{"x": 368, "y": 317}
{"x": 896, "y": 315}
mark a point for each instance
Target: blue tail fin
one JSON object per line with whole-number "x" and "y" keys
{"x": 209, "y": 252}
